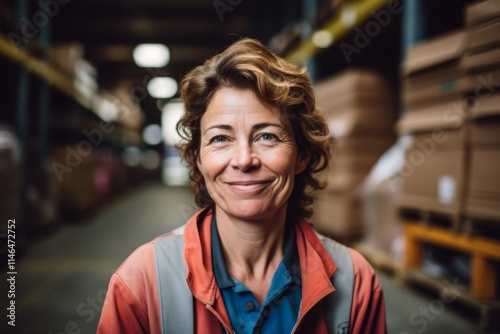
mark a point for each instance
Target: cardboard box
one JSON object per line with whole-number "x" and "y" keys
{"x": 361, "y": 111}
{"x": 332, "y": 102}
{"x": 482, "y": 11}
{"x": 362, "y": 145}
{"x": 435, "y": 183}
{"x": 485, "y": 128}
{"x": 484, "y": 209}
{"x": 435, "y": 166}
{"x": 433, "y": 69}
{"x": 357, "y": 102}
{"x": 483, "y": 196}
{"x": 485, "y": 131}
{"x": 441, "y": 124}
{"x": 338, "y": 215}
{"x": 342, "y": 183}
{"x": 363, "y": 122}
{"x": 354, "y": 163}
{"x": 486, "y": 59}
{"x": 483, "y": 37}
{"x": 357, "y": 155}
{"x": 485, "y": 167}
{"x": 366, "y": 82}
{"x": 483, "y": 82}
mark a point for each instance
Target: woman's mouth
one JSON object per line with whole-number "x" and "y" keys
{"x": 248, "y": 186}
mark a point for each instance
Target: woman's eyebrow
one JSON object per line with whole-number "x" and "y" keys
{"x": 260, "y": 126}
{"x": 255, "y": 127}
{"x": 219, "y": 126}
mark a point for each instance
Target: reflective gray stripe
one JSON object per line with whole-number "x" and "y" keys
{"x": 176, "y": 300}
{"x": 338, "y": 304}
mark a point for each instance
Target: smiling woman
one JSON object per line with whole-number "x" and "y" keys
{"x": 248, "y": 261}
{"x": 245, "y": 154}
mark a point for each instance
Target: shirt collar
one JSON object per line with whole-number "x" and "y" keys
{"x": 290, "y": 258}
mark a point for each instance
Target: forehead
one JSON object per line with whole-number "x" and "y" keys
{"x": 231, "y": 103}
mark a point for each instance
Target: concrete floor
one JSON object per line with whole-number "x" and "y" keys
{"x": 62, "y": 278}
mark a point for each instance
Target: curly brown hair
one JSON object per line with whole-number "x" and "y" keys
{"x": 248, "y": 64}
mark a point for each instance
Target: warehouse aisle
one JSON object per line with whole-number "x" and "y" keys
{"x": 62, "y": 279}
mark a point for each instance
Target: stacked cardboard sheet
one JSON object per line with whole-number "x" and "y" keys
{"x": 360, "y": 109}
{"x": 482, "y": 64}
{"x": 434, "y": 91}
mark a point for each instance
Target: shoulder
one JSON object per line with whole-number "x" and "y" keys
{"x": 138, "y": 271}
{"x": 364, "y": 274}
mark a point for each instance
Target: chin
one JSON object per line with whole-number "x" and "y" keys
{"x": 250, "y": 211}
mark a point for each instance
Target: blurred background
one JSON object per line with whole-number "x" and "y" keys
{"x": 89, "y": 170}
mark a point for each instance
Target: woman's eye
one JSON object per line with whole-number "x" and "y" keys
{"x": 218, "y": 139}
{"x": 268, "y": 137}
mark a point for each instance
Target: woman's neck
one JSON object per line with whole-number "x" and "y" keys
{"x": 252, "y": 249}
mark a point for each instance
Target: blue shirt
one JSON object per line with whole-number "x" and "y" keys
{"x": 279, "y": 312}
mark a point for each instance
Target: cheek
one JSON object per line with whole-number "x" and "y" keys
{"x": 211, "y": 164}
{"x": 282, "y": 164}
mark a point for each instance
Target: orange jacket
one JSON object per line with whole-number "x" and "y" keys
{"x": 132, "y": 304}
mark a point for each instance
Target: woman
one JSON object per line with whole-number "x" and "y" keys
{"x": 248, "y": 262}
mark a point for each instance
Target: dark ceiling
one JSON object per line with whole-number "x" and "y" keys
{"x": 192, "y": 29}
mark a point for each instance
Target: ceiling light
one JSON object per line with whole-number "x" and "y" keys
{"x": 171, "y": 114}
{"x": 322, "y": 38}
{"x": 162, "y": 87}
{"x": 152, "y": 134}
{"x": 151, "y": 55}
{"x": 349, "y": 16}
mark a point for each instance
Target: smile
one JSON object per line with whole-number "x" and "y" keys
{"x": 248, "y": 186}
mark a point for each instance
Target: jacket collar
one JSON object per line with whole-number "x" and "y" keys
{"x": 316, "y": 265}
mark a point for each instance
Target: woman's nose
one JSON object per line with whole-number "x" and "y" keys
{"x": 245, "y": 157}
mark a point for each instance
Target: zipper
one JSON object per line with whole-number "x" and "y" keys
{"x": 306, "y": 311}
{"x": 211, "y": 309}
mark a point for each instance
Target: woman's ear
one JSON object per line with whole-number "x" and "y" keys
{"x": 301, "y": 163}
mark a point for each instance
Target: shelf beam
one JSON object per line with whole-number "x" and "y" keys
{"x": 47, "y": 73}
{"x": 33, "y": 65}
{"x": 337, "y": 28}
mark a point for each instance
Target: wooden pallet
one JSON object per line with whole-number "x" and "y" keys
{"x": 487, "y": 228}
{"x": 484, "y": 292}
{"x": 453, "y": 222}
{"x": 484, "y": 313}
{"x": 485, "y": 255}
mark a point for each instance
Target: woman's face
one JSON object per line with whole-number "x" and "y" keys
{"x": 248, "y": 155}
